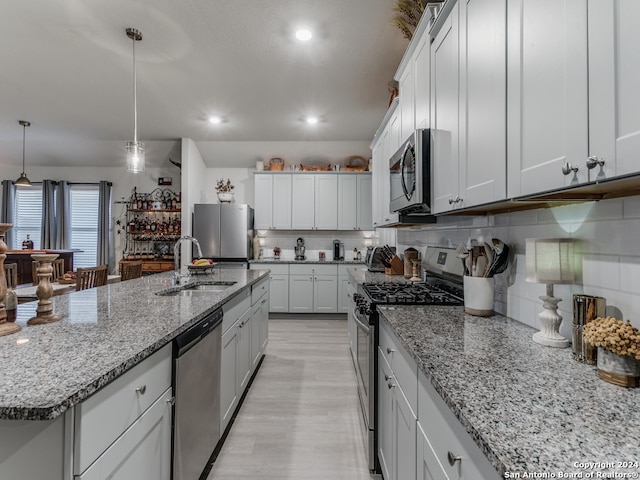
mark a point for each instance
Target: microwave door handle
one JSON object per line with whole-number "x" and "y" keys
{"x": 402, "y": 177}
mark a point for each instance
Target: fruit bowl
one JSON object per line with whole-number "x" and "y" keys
{"x": 199, "y": 268}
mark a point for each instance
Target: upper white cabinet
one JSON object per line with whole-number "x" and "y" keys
{"x": 445, "y": 114}
{"x": 421, "y": 75}
{"x": 547, "y": 102}
{"x": 354, "y": 202}
{"x": 483, "y": 88}
{"x": 272, "y": 201}
{"x": 614, "y": 76}
{"x": 407, "y": 101}
{"x": 468, "y": 106}
{"x": 381, "y": 149}
{"x": 314, "y": 202}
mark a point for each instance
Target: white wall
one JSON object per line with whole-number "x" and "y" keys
{"x": 607, "y": 254}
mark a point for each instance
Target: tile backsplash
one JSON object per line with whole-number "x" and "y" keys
{"x": 315, "y": 241}
{"x": 607, "y": 254}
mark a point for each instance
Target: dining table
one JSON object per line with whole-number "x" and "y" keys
{"x": 27, "y": 293}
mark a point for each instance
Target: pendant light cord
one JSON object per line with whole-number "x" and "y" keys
{"x": 24, "y": 134}
{"x": 135, "y": 95}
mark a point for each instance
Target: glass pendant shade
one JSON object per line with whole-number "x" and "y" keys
{"x": 135, "y": 157}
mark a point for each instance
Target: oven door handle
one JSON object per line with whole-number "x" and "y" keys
{"x": 361, "y": 325}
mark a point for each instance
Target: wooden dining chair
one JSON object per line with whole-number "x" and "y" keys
{"x": 11, "y": 274}
{"x": 91, "y": 277}
{"x": 58, "y": 270}
{"x": 130, "y": 270}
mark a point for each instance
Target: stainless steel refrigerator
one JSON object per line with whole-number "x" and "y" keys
{"x": 225, "y": 233}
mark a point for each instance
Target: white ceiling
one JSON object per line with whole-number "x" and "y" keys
{"x": 67, "y": 67}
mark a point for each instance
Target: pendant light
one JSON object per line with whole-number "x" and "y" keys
{"x": 135, "y": 149}
{"x": 22, "y": 180}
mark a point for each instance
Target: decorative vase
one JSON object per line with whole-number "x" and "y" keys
{"x": 621, "y": 370}
{"x": 225, "y": 197}
{"x": 44, "y": 290}
{"x": 6, "y": 327}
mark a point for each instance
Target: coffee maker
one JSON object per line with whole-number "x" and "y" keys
{"x": 299, "y": 249}
{"x": 338, "y": 250}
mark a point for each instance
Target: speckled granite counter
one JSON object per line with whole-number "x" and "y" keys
{"x": 287, "y": 261}
{"x": 530, "y": 408}
{"x": 105, "y": 331}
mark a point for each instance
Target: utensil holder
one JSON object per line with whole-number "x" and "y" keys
{"x": 585, "y": 309}
{"x": 478, "y": 295}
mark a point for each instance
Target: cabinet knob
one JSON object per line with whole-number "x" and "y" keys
{"x": 387, "y": 377}
{"x": 390, "y": 385}
{"x": 567, "y": 168}
{"x": 594, "y": 161}
{"x": 141, "y": 390}
{"x": 390, "y": 350}
{"x": 453, "y": 458}
{"x": 171, "y": 401}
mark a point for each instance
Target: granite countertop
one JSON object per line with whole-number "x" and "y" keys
{"x": 294, "y": 261}
{"x": 530, "y": 408}
{"x": 104, "y": 332}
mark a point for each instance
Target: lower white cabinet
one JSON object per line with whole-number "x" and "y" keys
{"x": 397, "y": 420}
{"x": 418, "y": 435}
{"x": 278, "y": 285}
{"x": 259, "y": 321}
{"x": 235, "y": 369}
{"x": 102, "y": 421}
{"x": 313, "y": 288}
{"x": 143, "y": 451}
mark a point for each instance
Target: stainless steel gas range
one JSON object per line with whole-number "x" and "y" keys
{"x": 443, "y": 286}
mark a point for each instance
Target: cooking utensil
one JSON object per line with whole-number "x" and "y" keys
{"x": 462, "y": 254}
{"x": 488, "y": 251}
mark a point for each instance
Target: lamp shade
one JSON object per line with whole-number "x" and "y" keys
{"x": 135, "y": 157}
{"x": 549, "y": 260}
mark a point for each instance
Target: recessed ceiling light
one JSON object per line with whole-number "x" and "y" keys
{"x": 303, "y": 35}
{"x": 312, "y": 120}
{"x": 215, "y": 120}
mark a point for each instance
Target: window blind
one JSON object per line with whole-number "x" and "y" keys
{"x": 84, "y": 224}
{"x": 28, "y": 216}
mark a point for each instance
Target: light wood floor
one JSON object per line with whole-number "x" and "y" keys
{"x": 299, "y": 420}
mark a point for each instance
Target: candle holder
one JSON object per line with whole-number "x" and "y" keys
{"x": 6, "y": 328}
{"x": 44, "y": 290}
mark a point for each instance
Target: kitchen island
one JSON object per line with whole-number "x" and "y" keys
{"x": 106, "y": 334}
{"x": 530, "y": 409}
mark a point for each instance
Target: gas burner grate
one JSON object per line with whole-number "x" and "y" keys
{"x": 410, "y": 294}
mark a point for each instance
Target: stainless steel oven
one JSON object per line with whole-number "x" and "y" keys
{"x": 365, "y": 363}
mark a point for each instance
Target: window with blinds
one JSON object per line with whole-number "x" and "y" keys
{"x": 84, "y": 224}
{"x": 28, "y": 216}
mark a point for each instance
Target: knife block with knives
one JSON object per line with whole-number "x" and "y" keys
{"x": 393, "y": 264}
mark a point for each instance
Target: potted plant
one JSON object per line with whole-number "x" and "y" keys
{"x": 618, "y": 350}
{"x": 224, "y": 188}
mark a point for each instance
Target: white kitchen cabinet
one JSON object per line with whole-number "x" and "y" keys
{"x": 468, "y": 106}
{"x": 445, "y": 109}
{"x": 383, "y": 146}
{"x": 313, "y": 288}
{"x": 428, "y": 466}
{"x": 483, "y": 131}
{"x": 614, "y": 76}
{"x": 235, "y": 365}
{"x": 422, "y": 81}
{"x": 278, "y": 285}
{"x": 385, "y": 417}
{"x": 446, "y": 435}
{"x": 142, "y": 452}
{"x": 354, "y": 201}
{"x": 272, "y": 201}
{"x": 107, "y": 414}
{"x": 407, "y": 101}
{"x": 547, "y": 102}
{"x": 314, "y": 202}
{"x": 259, "y": 320}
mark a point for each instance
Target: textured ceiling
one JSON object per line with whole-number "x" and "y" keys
{"x": 66, "y": 66}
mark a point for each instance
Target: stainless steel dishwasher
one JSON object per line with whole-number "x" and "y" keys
{"x": 196, "y": 386}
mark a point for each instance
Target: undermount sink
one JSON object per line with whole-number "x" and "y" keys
{"x": 197, "y": 289}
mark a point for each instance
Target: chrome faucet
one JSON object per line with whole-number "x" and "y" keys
{"x": 176, "y": 247}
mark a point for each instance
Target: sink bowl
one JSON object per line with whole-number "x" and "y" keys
{"x": 197, "y": 289}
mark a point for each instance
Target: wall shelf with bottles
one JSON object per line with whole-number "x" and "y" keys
{"x": 153, "y": 225}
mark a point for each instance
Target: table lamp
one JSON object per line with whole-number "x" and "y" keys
{"x": 550, "y": 261}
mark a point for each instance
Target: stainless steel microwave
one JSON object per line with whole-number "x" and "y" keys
{"x": 410, "y": 175}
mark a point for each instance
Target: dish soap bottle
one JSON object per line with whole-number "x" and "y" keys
{"x": 27, "y": 244}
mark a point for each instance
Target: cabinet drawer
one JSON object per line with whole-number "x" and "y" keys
{"x": 344, "y": 269}
{"x": 235, "y": 307}
{"x": 405, "y": 369}
{"x": 104, "y": 416}
{"x": 446, "y": 434}
{"x": 312, "y": 268}
{"x": 277, "y": 269}
{"x": 259, "y": 289}
{"x": 143, "y": 452}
